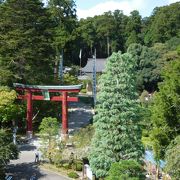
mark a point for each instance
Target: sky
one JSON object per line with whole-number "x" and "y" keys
{"x": 90, "y": 8}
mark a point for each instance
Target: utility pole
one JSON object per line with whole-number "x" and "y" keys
{"x": 94, "y": 77}
{"x": 108, "y": 46}
{"x": 61, "y": 67}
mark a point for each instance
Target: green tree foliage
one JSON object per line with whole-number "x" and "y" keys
{"x": 117, "y": 133}
{"x": 7, "y": 150}
{"x": 63, "y": 15}
{"x": 145, "y": 58}
{"x": 125, "y": 169}
{"x": 49, "y": 130}
{"x": 116, "y": 31}
{"x": 173, "y": 43}
{"x": 165, "y": 110}
{"x": 7, "y": 97}
{"x": 9, "y": 110}
{"x": 84, "y": 36}
{"x": 81, "y": 140}
{"x": 104, "y": 25}
{"x": 119, "y": 33}
{"x": 106, "y": 33}
{"x": 146, "y": 124}
{"x": 70, "y": 79}
{"x": 27, "y": 24}
{"x": 83, "y": 137}
{"x": 172, "y": 158}
{"x": 113, "y": 31}
{"x": 86, "y": 30}
{"x": 164, "y": 56}
{"x": 26, "y": 53}
{"x": 150, "y": 63}
{"x": 133, "y": 28}
{"x": 163, "y": 24}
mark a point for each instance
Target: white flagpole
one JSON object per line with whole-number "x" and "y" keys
{"x": 80, "y": 54}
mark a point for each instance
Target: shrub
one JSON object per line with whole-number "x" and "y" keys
{"x": 73, "y": 175}
{"x": 126, "y": 169}
{"x": 2, "y": 172}
{"x": 82, "y": 138}
{"x": 78, "y": 167}
{"x": 57, "y": 158}
{"x": 70, "y": 79}
{"x": 83, "y": 91}
{"x": 66, "y": 166}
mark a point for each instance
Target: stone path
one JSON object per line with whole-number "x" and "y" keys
{"x": 80, "y": 115}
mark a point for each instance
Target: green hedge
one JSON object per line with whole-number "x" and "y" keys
{"x": 73, "y": 175}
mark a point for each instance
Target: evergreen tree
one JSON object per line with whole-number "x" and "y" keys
{"x": 26, "y": 54}
{"x": 133, "y": 28}
{"x": 63, "y": 15}
{"x": 117, "y": 133}
{"x": 145, "y": 58}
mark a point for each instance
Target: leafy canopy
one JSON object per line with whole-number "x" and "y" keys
{"x": 165, "y": 110}
{"x": 8, "y": 150}
{"x": 49, "y": 127}
{"x": 49, "y": 130}
{"x": 9, "y": 109}
{"x": 172, "y": 158}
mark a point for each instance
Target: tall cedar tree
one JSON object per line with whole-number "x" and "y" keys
{"x": 63, "y": 14}
{"x": 26, "y": 54}
{"x": 117, "y": 133}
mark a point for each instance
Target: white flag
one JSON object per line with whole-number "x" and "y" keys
{"x": 80, "y": 53}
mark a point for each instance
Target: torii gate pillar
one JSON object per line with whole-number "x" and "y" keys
{"x": 29, "y": 114}
{"x": 64, "y": 114}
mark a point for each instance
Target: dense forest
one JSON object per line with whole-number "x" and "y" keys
{"x": 34, "y": 36}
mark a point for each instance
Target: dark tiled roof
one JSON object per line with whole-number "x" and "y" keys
{"x": 100, "y": 65}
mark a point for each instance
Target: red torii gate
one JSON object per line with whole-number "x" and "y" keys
{"x": 64, "y": 90}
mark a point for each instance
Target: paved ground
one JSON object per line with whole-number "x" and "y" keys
{"x": 80, "y": 115}
{"x": 24, "y": 167}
